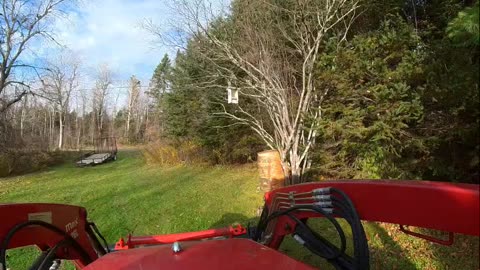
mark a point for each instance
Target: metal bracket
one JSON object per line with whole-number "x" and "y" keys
{"x": 445, "y": 242}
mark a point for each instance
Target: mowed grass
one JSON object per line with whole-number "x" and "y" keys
{"x": 129, "y": 196}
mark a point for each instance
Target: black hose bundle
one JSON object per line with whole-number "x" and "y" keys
{"x": 330, "y": 202}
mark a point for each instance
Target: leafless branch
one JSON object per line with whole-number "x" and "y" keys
{"x": 22, "y": 21}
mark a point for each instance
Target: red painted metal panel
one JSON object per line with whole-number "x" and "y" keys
{"x": 71, "y": 219}
{"x": 232, "y": 254}
{"x": 133, "y": 241}
{"x": 436, "y": 205}
{"x": 445, "y": 242}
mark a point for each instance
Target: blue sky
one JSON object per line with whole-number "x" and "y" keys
{"x": 110, "y": 32}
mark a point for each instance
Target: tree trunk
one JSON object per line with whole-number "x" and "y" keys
{"x": 45, "y": 127}
{"x": 60, "y": 132}
{"x": 292, "y": 165}
{"x": 79, "y": 131}
{"x": 127, "y": 128}
{"x": 22, "y": 119}
{"x": 51, "y": 139}
{"x": 93, "y": 126}
{"x": 100, "y": 122}
{"x": 146, "y": 123}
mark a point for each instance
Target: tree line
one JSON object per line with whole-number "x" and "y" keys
{"x": 342, "y": 89}
{"x": 53, "y": 102}
{"x": 61, "y": 114}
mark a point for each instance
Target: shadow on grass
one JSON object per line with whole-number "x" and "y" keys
{"x": 233, "y": 219}
{"x": 463, "y": 252}
{"x": 385, "y": 253}
{"x": 391, "y": 249}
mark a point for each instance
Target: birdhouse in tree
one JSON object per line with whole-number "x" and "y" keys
{"x": 232, "y": 94}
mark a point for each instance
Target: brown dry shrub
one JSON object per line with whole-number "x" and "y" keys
{"x": 165, "y": 154}
{"x": 16, "y": 162}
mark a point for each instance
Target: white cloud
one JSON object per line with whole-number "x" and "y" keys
{"x": 109, "y": 31}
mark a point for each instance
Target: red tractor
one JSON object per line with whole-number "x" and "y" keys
{"x": 63, "y": 232}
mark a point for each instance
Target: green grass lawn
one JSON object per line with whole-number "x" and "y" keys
{"x": 130, "y": 196}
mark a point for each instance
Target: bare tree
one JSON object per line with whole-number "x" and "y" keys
{"x": 102, "y": 84}
{"x": 23, "y": 113}
{"x": 58, "y": 84}
{"x": 114, "y": 111}
{"x": 133, "y": 100}
{"x": 279, "y": 78}
{"x": 21, "y": 21}
{"x": 83, "y": 100}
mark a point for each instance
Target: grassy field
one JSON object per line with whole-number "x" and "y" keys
{"x": 130, "y": 196}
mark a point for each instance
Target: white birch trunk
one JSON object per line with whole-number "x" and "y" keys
{"x": 60, "y": 132}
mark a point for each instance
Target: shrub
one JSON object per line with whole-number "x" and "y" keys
{"x": 5, "y": 165}
{"x": 15, "y": 162}
{"x": 166, "y": 154}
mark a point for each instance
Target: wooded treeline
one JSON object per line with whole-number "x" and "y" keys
{"x": 57, "y": 101}
{"x": 395, "y": 96}
{"x": 60, "y": 115}
{"x": 341, "y": 88}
